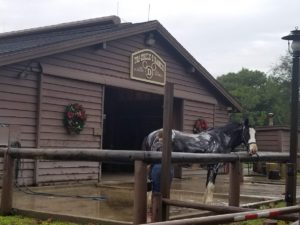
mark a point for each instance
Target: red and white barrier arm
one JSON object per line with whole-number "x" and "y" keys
{"x": 262, "y": 214}
{"x": 233, "y": 217}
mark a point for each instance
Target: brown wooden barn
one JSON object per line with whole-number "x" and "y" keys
{"x": 117, "y": 72}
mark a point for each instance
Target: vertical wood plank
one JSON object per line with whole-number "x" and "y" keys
{"x": 140, "y": 192}
{"x": 156, "y": 207}
{"x": 102, "y": 130}
{"x": 7, "y": 186}
{"x": 166, "y": 154}
{"x": 234, "y": 184}
{"x": 38, "y": 126}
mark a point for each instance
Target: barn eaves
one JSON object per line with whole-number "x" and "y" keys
{"x": 39, "y": 42}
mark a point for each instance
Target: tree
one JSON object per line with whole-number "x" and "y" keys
{"x": 281, "y": 74}
{"x": 282, "y": 71}
{"x": 259, "y": 94}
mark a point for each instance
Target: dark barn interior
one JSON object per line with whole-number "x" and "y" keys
{"x": 129, "y": 116}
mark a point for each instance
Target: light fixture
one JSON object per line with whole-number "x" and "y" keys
{"x": 23, "y": 74}
{"x": 191, "y": 69}
{"x": 290, "y": 193}
{"x": 294, "y": 36}
{"x": 150, "y": 40}
{"x": 98, "y": 48}
{"x": 104, "y": 45}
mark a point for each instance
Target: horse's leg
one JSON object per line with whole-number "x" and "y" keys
{"x": 212, "y": 171}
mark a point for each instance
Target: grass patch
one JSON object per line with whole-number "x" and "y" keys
{"x": 20, "y": 220}
{"x": 257, "y": 222}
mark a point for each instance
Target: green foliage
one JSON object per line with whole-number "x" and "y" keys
{"x": 257, "y": 222}
{"x": 282, "y": 71}
{"x": 19, "y": 220}
{"x": 260, "y": 94}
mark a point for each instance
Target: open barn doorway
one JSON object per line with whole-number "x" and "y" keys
{"x": 129, "y": 116}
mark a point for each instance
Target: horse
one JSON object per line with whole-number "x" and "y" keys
{"x": 222, "y": 139}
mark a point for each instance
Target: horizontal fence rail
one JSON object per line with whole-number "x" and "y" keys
{"x": 221, "y": 209}
{"x": 146, "y": 156}
{"x": 233, "y": 217}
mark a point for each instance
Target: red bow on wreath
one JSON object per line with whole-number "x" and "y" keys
{"x": 74, "y": 118}
{"x": 200, "y": 125}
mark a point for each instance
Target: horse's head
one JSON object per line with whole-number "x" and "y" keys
{"x": 248, "y": 137}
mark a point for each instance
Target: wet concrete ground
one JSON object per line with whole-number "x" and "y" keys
{"x": 115, "y": 195}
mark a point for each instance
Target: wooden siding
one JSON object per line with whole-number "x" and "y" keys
{"x": 18, "y": 102}
{"x": 79, "y": 76}
{"x": 18, "y": 110}
{"x": 25, "y": 170}
{"x": 113, "y": 63}
{"x": 275, "y": 139}
{"x": 193, "y": 110}
{"x": 269, "y": 140}
{"x": 66, "y": 171}
{"x": 221, "y": 115}
{"x": 57, "y": 93}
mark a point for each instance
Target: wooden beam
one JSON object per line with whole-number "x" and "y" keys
{"x": 38, "y": 126}
{"x": 156, "y": 207}
{"x": 7, "y": 186}
{"x": 118, "y": 82}
{"x": 234, "y": 184}
{"x": 102, "y": 128}
{"x": 167, "y": 145}
{"x": 94, "y": 155}
{"x": 140, "y": 192}
{"x": 202, "y": 206}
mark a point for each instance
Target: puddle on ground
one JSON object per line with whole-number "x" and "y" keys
{"x": 118, "y": 204}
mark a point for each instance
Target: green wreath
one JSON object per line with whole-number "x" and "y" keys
{"x": 74, "y": 118}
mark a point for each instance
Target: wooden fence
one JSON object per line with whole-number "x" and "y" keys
{"x": 140, "y": 160}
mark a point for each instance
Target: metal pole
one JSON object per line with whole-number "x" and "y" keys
{"x": 234, "y": 184}
{"x": 292, "y": 170}
{"x": 166, "y": 155}
{"x": 140, "y": 192}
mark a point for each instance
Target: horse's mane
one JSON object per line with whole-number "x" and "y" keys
{"x": 230, "y": 127}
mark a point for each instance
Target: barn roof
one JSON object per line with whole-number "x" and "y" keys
{"x": 32, "y": 43}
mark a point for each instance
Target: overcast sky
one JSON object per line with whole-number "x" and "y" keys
{"x": 223, "y": 35}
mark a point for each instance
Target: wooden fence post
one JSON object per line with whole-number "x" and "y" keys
{"x": 167, "y": 145}
{"x": 156, "y": 207}
{"x": 7, "y": 186}
{"x": 234, "y": 184}
{"x": 140, "y": 192}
